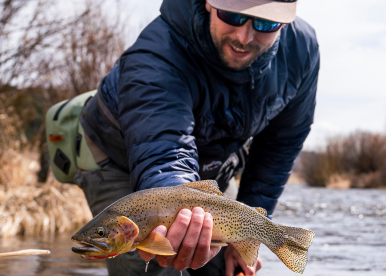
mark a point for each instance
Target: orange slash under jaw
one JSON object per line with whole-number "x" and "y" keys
{"x": 99, "y": 257}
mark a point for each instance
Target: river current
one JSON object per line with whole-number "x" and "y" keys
{"x": 350, "y": 240}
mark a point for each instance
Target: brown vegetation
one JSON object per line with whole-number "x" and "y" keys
{"x": 355, "y": 161}
{"x": 45, "y": 58}
{"x": 36, "y": 208}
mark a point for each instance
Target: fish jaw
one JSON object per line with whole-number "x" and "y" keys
{"x": 91, "y": 247}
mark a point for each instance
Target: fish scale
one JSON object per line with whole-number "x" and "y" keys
{"x": 240, "y": 225}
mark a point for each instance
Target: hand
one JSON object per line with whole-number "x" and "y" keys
{"x": 190, "y": 235}
{"x": 233, "y": 260}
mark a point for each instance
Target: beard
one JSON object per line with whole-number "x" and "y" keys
{"x": 233, "y": 62}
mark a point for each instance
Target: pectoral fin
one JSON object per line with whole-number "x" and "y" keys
{"x": 218, "y": 243}
{"x": 156, "y": 244}
{"x": 248, "y": 251}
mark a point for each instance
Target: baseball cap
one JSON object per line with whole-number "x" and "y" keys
{"x": 281, "y": 11}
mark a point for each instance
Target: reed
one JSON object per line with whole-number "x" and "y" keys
{"x": 26, "y": 252}
{"x": 32, "y": 208}
{"x": 355, "y": 161}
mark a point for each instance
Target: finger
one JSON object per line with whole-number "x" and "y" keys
{"x": 230, "y": 263}
{"x": 258, "y": 265}
{"x": 248, "y": 270}
{"x": 214, "y": 250}
{"x": 189, "y": 243}
{"x": 175, "y": 235}
{"x": 148, "y": 256}
{"x": 203, "y": 253}
{"x": 231, "y": 253}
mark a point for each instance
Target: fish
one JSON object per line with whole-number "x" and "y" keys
{"x": 128, "y": 224}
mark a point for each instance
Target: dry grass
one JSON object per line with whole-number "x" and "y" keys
{"x": 355, "y": 161}
{"x": 295, "y": 178}
{"x": 34, "y": 208}
{"x": 50, "y": 63}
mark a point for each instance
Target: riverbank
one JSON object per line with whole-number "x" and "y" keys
{"x": 33, "y": 208}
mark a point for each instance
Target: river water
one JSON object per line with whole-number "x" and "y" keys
{"x": 350, "y": 240}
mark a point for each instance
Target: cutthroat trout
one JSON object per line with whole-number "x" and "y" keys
{"x": 128, "y": 223}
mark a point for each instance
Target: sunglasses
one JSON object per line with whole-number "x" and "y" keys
{"x": 238, "y": 20}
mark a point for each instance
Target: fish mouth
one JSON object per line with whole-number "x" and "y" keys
{"x": 91, "y": 248}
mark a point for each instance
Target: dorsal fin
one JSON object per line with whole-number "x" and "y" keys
{"x": 206, "y": 186}
{"x": 261, "y": 211}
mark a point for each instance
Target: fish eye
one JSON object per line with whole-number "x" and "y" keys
{"x": 100, "y": 231}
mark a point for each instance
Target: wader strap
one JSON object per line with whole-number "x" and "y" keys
{"x": 105, "y": 111}
{"x": 97, "y": 153}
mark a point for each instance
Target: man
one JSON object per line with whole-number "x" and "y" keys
{"x": 180, "y": 104}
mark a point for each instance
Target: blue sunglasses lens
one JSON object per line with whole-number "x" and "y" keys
{"x": 262, "y": 25}
{"x": 234, "y": 19}
{"x": 237, "y": 20}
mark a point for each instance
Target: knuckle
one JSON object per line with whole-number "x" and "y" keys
{"x": 189, "y": 245}
{"x": 183, "y": 221}
{"x": 179, "y": 266}
{"x": 162, "y": 261}
{"x": 207, "y": 227}
{"x": 195, "y": 266}
{"x": 197, "y": 263}
{"x": 185, "y": 224}
{"x": 203, "y": 246}
{"x": 196, "y": 223}
{"x": 214, "y": 251}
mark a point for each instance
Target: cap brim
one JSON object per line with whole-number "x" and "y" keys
{"x": 281, "y": 12}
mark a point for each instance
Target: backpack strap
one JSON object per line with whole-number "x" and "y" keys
{"x": 99, "y": 156}
{"x": 104, "y": 110}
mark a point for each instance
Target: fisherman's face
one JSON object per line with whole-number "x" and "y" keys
{"x": 238, "y": 46}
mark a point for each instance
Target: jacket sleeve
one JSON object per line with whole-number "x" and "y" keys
{"x": 156, "y": 117}
{"x": 274, "y": 150}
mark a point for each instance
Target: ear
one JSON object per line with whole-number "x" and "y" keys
{"x": 208, "y": 7}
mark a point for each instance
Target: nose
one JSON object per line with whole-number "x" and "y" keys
{"x": 245, "y": 33}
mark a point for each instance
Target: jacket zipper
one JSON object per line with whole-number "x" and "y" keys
{"x": 252, "y": 74}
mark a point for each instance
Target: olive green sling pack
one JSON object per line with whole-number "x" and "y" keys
{"x": 66, "y": 144}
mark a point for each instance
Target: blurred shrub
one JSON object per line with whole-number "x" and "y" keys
{"x": 46, "y": 56}
{"x": 31, "y": 208}
{"x": 358, "y": 159}
{"x": 49, "y": 57}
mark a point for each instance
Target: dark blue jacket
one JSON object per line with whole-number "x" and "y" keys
{"x": 177, "y": 104}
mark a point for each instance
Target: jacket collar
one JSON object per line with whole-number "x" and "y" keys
{"x": 191, "y": 20}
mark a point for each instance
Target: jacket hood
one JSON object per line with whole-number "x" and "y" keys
{"x": 191, "y": 20}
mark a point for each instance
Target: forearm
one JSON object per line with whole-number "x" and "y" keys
{"x": 268, "y": 169}
{"x": 163, "y": 163}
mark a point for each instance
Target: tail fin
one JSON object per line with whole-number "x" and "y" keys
{"x": 293, "y": 248}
